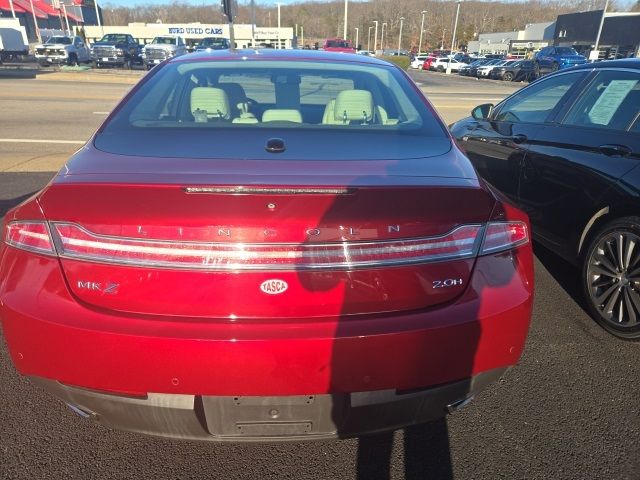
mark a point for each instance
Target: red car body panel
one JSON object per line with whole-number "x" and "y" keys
{"x": 134, "y": 354}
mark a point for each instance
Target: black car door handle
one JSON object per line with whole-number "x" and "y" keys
{"x": 520, "y": 138}
{"x": 615, "y": 150}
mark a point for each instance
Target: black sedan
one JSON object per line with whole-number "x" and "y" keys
{"x": 566, "y": 149}
{"x": 522, "y": 70}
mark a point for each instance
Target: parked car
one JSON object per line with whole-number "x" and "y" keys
{"x": 519, "y": 71}
{"x": 162, "y": 48}
{"x": 426, "y": 64}
{"x": 471, "y": 69}
{"x": 441, "y": 64}
{"x": 485, "y": 70}
{"x": 202, "y": 272}
{"x": 494, "y": 71}
{"x": 214, "y": 43}
{"x": 117, "y": 49}
{"x": 418, "y": 61}
{"x": 566, "y": 149}
{"x": 62, "y": 50}
{"x": 338, "y": 45}
{"x": 550, "y": 59}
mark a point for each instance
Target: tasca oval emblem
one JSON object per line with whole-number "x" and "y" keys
{"x": 274, "y": 286}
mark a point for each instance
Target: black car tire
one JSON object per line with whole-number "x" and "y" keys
{"x": 555, "y": 67}
{"x": 127, "y": 64}
{"x": 507, "y": 77}
{"x": 440, "y": 68}
{"x": 611, "y": 277}
{"x": 72, "y": 61}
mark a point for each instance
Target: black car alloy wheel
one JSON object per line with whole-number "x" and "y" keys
{"x": 508, "y": 76}
{"x": 611, "y": 277}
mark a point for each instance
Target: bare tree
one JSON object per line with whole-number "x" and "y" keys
{"x": 323, "y": 19}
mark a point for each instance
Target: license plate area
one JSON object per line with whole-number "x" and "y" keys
{"x": 262, "y": 417}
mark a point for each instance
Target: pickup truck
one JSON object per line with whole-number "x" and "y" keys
{"x": 62, "y": 50}
{"x": 162, "y": 48}
{"x": 117, "y": 49}
{"x": 550, "y": 59}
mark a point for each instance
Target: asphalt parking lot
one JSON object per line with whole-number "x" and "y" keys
{"x": 570, "y": 410}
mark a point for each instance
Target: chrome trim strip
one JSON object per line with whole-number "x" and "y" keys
{"x": 596, "y": 216}
{"x": 344, "y": 265}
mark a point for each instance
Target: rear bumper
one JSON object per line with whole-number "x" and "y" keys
{"x": 285, "y": 418}
{"x": 77, "y": 349}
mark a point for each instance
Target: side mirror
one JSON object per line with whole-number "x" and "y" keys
{"x": 482, "y": 112}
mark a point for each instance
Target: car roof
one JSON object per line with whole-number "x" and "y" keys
{"x": 273, "y": 54}
{"x": 620, "y": 63}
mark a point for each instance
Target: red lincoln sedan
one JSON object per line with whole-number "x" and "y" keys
{"x": 267, "y": 245}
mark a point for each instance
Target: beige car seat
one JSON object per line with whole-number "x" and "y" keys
{"x": 209, "y": 103}
{"x": 282, "y": 115}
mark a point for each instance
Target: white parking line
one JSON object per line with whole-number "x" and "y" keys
{"x": 28, "y": 140}
{"x": 101, "y": 113}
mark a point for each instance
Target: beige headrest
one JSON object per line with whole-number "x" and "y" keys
{"x": 354, "y": 105}
{"x": 282, "y": 115}
{"x": 213, "y": 101}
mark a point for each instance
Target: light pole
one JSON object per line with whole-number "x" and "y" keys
{"x": 384, "y": 24}
{"x": 13, "y": 12}
{"x": 444, "y": 30}
{"x": 424, "y": 12}
{"x": 400, "y": 35}
{"x": 453, "y": 37}
{"x": 369, "y": 40}
{"x": 278, "y": 24}
{"x": 346, "y": 14}
{"x": 98, "y": 17}
{"x": 604, "y": 12}
{"x": 357, "y": 37}
{"x": 35, "y": 22}
{"x": 66, "y": 17}
{"x": 302, "y": 35}
{"x": 375, "y": 38}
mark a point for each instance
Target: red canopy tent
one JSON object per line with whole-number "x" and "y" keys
{"x": 4, "y": 5}
{"x": 26, "y": 5}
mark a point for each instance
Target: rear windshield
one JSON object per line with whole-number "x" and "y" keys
{"x": 337, "y": 44}
{"x": 164, "y": 41}
{"x": 189, "y": 103}
{"x": 565, "y": 51}
{"x": 115, "y": 38}
{"x": 214, "y": 42}
{"x": 59, "y": 40}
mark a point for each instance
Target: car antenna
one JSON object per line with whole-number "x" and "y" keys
{"x": 228, "y": 8}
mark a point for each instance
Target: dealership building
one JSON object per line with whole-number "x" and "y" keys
{"x": 517, "y": 43}
{"x": 620, "y": 36}
{"x": 620, "y": 33}
{"x": 246, "y": 36}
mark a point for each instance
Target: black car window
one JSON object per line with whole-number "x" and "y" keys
{"x": 535, "y": 103}
{"x": 612, "y": 101}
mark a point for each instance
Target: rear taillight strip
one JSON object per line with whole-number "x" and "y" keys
{"x": 70, "y": 240}
{"x": 76, "y": 242}
{"x": 33, "y": 236}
